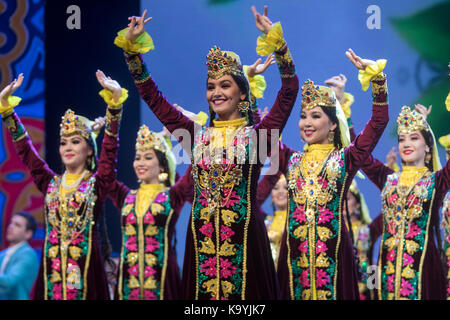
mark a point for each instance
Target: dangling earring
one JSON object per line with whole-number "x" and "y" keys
{"x": 331, "y": 137}
{"x": 162, "y": 177}
{"x": 243, "y": 106}
{"x": 428, "y": 158}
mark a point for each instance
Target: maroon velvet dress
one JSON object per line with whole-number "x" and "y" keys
{"x": 160, "y": 278}
{"x": 227, "y": 252}
{"x": 73, "y": 232}
{"x": 408, "y": 234}
{"x": 333, "y": 275}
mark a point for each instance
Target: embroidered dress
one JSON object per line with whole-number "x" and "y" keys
{"x": 148, "y": 268}
{"x": 446, "y": 240}
{"x": 227, "y": 252}
{"x": 409, "y": 261}
{"x": 316, "y": 257}
{"x": 72, "y": 263}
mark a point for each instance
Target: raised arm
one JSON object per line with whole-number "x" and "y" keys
{"x": 39, "y": 170}
{"x": 272, "y": 41}
{"x": 365, "y": 142}
{"x": 134, "y": 40}
{"x": 114, "y": 97}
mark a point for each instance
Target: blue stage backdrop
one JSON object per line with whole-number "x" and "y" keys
{"x": 413, "y": 37}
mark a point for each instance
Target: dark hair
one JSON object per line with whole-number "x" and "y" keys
{"x": 31, "y": 221}
{"x": 164, "y": 164}
{"x": 244, "y": 87}
{"x": 331, "y": 113}
{"x": 427, "y": 136}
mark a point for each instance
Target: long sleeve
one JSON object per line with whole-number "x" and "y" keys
{"x": 286, "y": 97}
{"x": 443, "y": 179}
{"x": 183, "y": 190}
{"x": 265, "y": 186}
{"x": 39, "y": 170}
{"x": 363, "y": 145}
{"x": 107, "y": 168}
{"x": 169, "y": 116}
{"x": 118, "y": 193}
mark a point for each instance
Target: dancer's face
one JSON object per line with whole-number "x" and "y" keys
{"x": 74, "y": 151}
{"x": 279, "y": 194}
{"x": 353, "y": 205}
{"x": 315, "y": 125}
{"x": 146, "y": 166}
{"x": 223, "y": 96}
{"x": 412, "y": 148}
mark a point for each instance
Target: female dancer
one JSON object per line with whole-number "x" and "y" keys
{"x": 409, "y": 262}
{"x": 72, "y": 263}
{"x": 148, "y": 268}
{"x": 316, "y": 256}
{"x": 227, "y": 250}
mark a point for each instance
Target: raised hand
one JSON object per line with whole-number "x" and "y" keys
{"x": 359, "y": 63}
{"x": 136, "y": 27}
{"x": 99, "y": 123}
{"x": 109, "y": 84}
{"x": 258, "y": 68}
{"x": 264, "y": 113}
{"x": 423, "y": 110}
{"x": 9, "y": 90}
{"x": 263, "y": 23}
{"x": 391, "y": 158}
{"x": 337, "y": 84}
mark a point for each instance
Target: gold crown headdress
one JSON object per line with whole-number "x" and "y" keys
{"x": 313, "y": 96}
{"x": 409, "y": 120}
{"x": 75, "y": 124}
{"x": 221, "y": 63}
{"x": 146, "y": 140}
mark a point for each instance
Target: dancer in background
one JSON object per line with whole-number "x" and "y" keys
{"x": 227, "y": 252}
{"x": 72, "y": 265}
{"x": 409, "y": 262}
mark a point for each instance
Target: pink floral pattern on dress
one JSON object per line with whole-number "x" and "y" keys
{"x": 303, "y": 247}
{"x": 134, "y": 294}
{"x": 56, "y": 264}
{"x": 390, "y": 283}
{"x": 161, "y": 198}
{"x": 57, "y": 292}
{"x": 232, "y": 200}
{"x": 134, "y": 270}
{"x": 151, "y": 244}
{"x": 406, "y": 288}
{"x": 407, "y": 259}
{"x": 225, "y": 232}
{"x": 325, "y": 215}
{"x": 303, "y": 279}
{"x": 321, "y": 247}
{"x": 149, "y": 295}
{"x": 131, "y": 219}
{"x": 131, "y": 244}
{"x": 148, "y": 218}
{"x": 207, "y": 229}
{"x": 209, "y": 267}
{"x": 391, "y": 255}
{"x": 299, "y": 214}
{"x": 322, "y": 278}
{"x": 226, "y": 268}
{"x": 413, "y": 231}
{"x": 53, "y": 237}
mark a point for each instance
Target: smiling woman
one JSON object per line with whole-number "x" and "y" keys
{"x": 410, "y": 263}
{"x": 72, "y": 263}
{"x": 227, "y": 252}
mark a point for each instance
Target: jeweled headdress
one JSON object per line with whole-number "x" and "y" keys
{"x": 409, "y": 120}
{"x": 313, "y": 96}
{"x": 221, "y": 63}
{"x": 74, "y": 124}
{"x": 146, "y": 140}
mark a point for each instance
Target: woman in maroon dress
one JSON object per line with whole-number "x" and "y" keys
{"x": 148, "y": 268}
{"x": 72, "y": 265}
{"x": 227, "y": 252}
{"x": 316, "y": 257}
{"x": 410, "y": 267}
